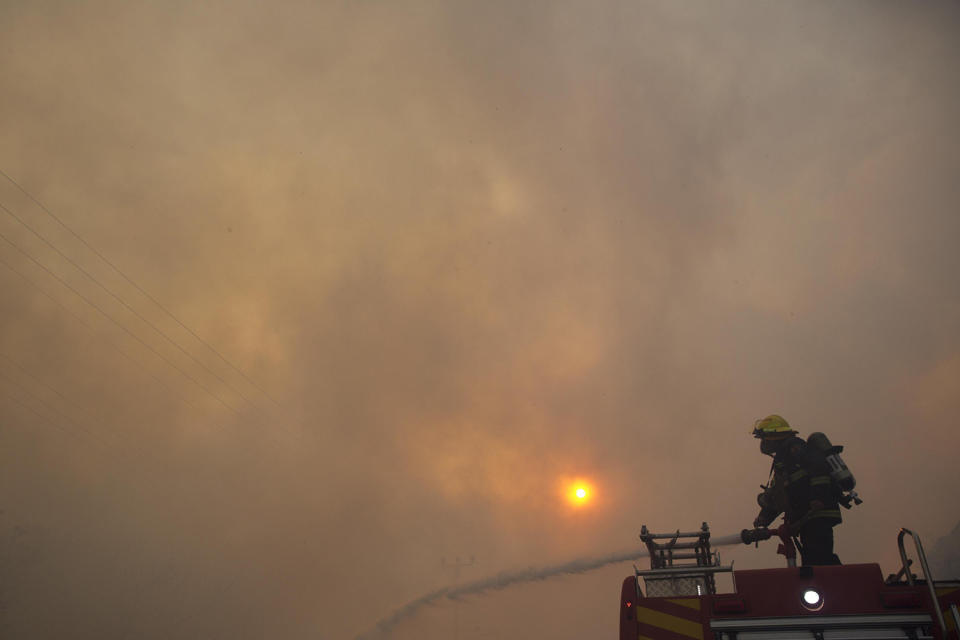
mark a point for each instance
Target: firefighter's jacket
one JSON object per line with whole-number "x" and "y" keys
{"x": 800, "y": 476}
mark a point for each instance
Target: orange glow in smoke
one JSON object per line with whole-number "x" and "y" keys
{"x": 578, "y": 493}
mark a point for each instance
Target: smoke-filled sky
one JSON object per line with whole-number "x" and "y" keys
{"x": 463, "y": 254}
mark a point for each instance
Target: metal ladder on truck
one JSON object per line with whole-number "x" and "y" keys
{"x": 667, "y": 576}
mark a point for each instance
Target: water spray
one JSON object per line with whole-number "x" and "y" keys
{"x": 506, "y": 579}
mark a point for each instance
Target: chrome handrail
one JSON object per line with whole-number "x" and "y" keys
{"x": 926, "y": 574}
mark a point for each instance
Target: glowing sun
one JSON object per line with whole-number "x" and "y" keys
{"x": 578, "y": 493}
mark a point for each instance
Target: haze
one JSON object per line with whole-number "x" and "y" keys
{"x": 464, "y": 255}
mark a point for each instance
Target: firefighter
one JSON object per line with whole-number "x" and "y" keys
{"x": 801, "y": 488}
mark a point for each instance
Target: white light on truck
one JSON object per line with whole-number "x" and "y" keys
{"x": 811, "y": 599}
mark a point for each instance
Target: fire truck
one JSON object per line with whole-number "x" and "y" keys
{"x": 677, "y": 598}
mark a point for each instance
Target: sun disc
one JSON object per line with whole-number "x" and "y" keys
{"x": 577, "y": 492}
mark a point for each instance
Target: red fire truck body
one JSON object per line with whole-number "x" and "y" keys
{"x": 846, "y": 602}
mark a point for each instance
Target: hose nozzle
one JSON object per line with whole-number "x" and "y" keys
{"x": 750, "y": 536}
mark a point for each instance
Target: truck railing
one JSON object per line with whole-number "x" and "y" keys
{"x": 841, "y": 627}
{"x": 683, "y": 571}
{"x": 928, "y": 578}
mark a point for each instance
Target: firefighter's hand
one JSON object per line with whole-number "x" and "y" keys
{"x": 816, "y": 505}
{"x": 760, "y": 521}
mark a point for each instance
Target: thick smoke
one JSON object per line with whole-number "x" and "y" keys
{"x": 470, "y": 249}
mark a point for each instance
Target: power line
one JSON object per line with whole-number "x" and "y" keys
{"x": 123, "y": 302}
{"x": 138, "y": 288}
{"x": 111, "y": 319}
{"x": 24, "y": 371}
{"x": 88, "y": 414}
{"x": 186, "y": 400}
{"x": 149, "y": 297}
{"x": 43, "y": 418}
{"x": 118, "y": 440}
{"x": 53, "y": 409}
{"x": 178, "y": 395}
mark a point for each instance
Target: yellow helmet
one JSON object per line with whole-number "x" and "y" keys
{"x": 773, "y": 426}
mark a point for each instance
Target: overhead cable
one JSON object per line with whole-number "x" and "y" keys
{"x": 122, "y": 302}
{"x": 185, "y": 399}
{"x": 112, "y": 320}
{"x": 139, "y": 288}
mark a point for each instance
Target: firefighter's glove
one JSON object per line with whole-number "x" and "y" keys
{"x": 760, "y": 521}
